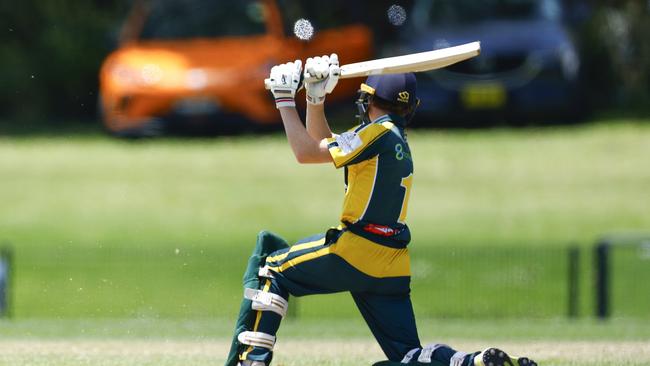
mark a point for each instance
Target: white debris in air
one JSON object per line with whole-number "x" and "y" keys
{"x": 396, "y": 15}
{"x": 303, "y": 29}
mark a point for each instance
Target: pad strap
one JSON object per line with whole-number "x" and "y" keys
{"x": 265, "y": 272}
{"x": 267, "y": 301}
{"x": 409, "y": 356}
{"x": 457, "y": 359}
{"x": 427, "y": 352}
{"x": 257, "y": 339}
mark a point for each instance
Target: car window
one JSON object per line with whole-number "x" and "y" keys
{"x": 466, "y": 11}
{"x": 173, "y": 19}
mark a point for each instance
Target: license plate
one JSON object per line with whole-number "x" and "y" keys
{"x": 195, "y": 106}
{"x": 484, "y": 96}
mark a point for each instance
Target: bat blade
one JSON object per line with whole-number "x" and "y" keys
{"x": 415, "y": 62}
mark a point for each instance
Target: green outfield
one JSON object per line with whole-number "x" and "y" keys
{"x": 107, "y": 228}
{"x": 310, "y": 342}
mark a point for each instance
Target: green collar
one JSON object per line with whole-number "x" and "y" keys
{"x": 397, "y": 120}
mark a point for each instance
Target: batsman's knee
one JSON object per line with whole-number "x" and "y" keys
{"x": 267, "y": 243}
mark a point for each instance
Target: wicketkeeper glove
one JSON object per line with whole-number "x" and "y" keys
{"x": 283, "y": 82}
{"x": 321, "y": 76}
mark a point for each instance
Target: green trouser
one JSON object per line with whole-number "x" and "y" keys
{"x": 315, "y": 265}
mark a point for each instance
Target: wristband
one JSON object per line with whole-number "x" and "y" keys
{"x": 284, "y": 97}
{"x": 315, "y": 100}
{"x": 284, "y": 102}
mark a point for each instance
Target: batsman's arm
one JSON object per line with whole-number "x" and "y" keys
{"x": 321, "y": 76}
{"x": 316, "y": 122}
{"x": 283, "y": 82}
{"x": 306, "y": 149}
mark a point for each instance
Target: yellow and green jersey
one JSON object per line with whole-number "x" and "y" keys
{"x": 378, "y": 177}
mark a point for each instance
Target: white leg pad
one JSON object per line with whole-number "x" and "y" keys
{"x": 267, "y": 301}
{"x": 457, "y": 359}
{"x": 427, "y": 352}
{"x": 257, "y": 339}
{"x": 265, "y": 272}
{"x": 409, "y": 356}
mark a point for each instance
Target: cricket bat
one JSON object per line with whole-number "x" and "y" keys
{"x": 415, "y": 62}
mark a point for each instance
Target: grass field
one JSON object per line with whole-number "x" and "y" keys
{"x": 310, "y": 342}
{"x": 293, "y": 352}
{"x": 131, "y": 252}
{"x": 106, "y": 228}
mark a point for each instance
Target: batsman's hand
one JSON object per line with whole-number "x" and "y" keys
{"x": 321, "y": 76}
{"x": 283, "y": 82}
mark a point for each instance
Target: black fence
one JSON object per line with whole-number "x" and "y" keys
{"x": 496, "y": 282}
{"x": 622, "y": 276}
{"x": 6, "y": 266}
{"x": 447, "y": 282}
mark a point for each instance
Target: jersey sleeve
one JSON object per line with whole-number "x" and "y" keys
{"x": 358, "y": 144}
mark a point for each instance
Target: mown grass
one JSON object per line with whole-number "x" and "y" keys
{"x": 162, "y": 228}
{"x": 488, "y": 330}
{"x": 311, "y": 341}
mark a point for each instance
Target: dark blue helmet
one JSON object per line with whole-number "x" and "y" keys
{"x": 395, "y": 90}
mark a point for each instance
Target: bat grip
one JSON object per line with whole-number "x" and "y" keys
{"x": 304, "y": 78}
{"x": 267, "y": 82}
{"x": 307, "y": 78}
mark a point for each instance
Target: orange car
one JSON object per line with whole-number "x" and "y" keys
{"x": 202, "y": 64}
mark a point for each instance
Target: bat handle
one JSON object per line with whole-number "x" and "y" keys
{"x": 267, "y": 82}
{"x": 308, "y": 78}
{"x": 304, "y": 78}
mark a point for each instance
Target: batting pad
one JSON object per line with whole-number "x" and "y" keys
{"x": 267, "y": 243}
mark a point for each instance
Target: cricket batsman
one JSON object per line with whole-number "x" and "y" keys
{"x": 366, "y": 254}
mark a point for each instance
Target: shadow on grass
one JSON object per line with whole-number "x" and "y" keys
{"x": 89, "y": 128}
{"x": 94, "y": 128}
{"x": 340, "y": 119}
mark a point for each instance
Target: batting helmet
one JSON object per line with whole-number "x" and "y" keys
{"x": 396, "y": 92}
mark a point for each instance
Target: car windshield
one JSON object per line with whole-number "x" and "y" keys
{"x": 467, "y": 11}
{"x": 173, "y": 19}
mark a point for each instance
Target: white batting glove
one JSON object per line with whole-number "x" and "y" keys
{"x": 283, "y": 82}
{"x": 321, "y": 76}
